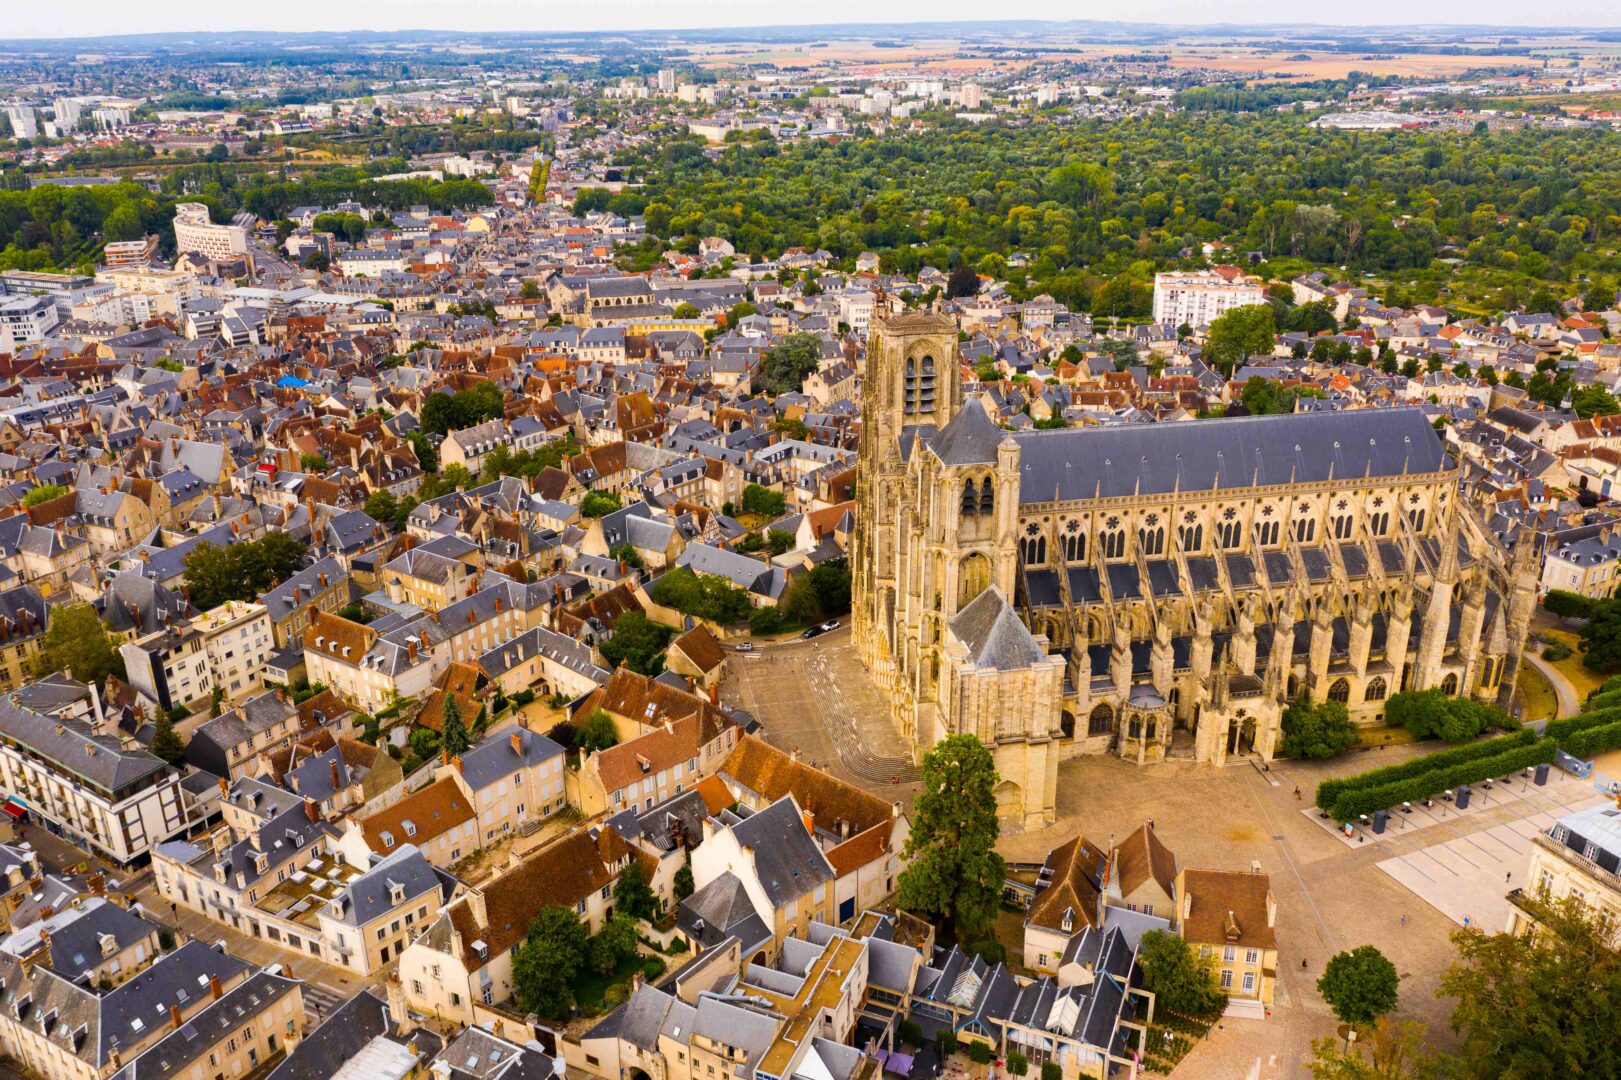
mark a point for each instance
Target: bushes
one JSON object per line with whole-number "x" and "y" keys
{"x": 705, "y": 596}
{"x": 1567, "y": 605}
{"x": 1317, "y": 731}
{"x": 979, "y": 1053}
{"x": 1430, "y": 714}
{"x": 1353, "y": 803}
{"x": 1564, "y": 728}
{"x": 1329, "y": 790}
{"x": 910, "y": 1032}
{"x": 1593, "y": 740}
{"x": 1556, "y": 651}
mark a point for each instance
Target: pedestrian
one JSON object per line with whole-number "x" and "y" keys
{"x": 1508, "y": 877}
{"x": 1404, "y": 919}
{"x": 1297, "y": 793}
{"x": 1466, "y": 922}
{"x": 1302, "y": 963}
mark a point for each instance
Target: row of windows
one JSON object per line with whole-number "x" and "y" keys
{"x": 1151, "y": 540}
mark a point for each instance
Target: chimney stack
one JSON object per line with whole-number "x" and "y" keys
{"x": 312, "y": 810}
{"x": 214, "y": 988}
{"x": 333, "y": 762}
{"x": 517, "y": 743}
{"x": 456, "y": 763}
{"x": 174, "y": 1016}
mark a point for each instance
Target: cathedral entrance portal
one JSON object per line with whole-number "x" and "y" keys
{"x": 1241, "y": 736}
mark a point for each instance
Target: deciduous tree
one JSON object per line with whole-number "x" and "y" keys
{"x": 954, "y": 871}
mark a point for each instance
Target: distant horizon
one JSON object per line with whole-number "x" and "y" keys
{"x": 113, "y": 21}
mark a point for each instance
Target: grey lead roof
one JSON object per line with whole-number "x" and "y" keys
{"x": 1150, "y": 459}
{"x": 993, "y": 634}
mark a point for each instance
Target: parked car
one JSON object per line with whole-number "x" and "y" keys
{"x": 815, "y": 631}
{"x": 745, "y": 646}
{"x": 831, "y": 624}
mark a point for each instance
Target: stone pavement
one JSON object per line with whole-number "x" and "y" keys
{"x": 815, "y": 697}
{"x": 1518, "y": 792}
{"x": 1469, "y": 876}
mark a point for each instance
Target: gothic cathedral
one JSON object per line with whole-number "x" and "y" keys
{"x": 1157, "y": 590}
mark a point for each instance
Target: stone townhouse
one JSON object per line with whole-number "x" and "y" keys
{"x": 465, "y": 956}
{"x": 277, "y": 874}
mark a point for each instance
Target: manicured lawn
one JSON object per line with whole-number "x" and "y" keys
{"x": 1537, "y": 699}
{"x": 1571, "y": 667}
{"x": 1385, "y": 735}
{"x": 590, "y": 987}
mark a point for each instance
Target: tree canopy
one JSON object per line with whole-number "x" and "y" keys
{"x": 240, "y": 571}
{"x": 1360, "y": 985}
{"x": 1317, "y": 730}
{"x": 76, "y": 641}
{"x": 954, "y": 871}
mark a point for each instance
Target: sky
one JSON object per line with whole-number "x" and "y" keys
{"x": 98, "y": 17}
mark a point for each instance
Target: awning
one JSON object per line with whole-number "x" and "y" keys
{"x": 16, "y": 809}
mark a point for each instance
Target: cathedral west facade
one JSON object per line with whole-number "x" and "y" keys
{"x": 1162, "y": 589}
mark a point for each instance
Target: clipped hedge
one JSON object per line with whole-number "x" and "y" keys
{"x": 1603, "y": 699}
{"x": 1354, "y": 803}
{"x": 1593, "y": 740}
{"x": 1563, "y": 729}
{"x": 1330, "y": 790}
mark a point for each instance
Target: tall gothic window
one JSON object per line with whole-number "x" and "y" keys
{"x": 1266, "y": 533}
{"x": 970, "y": 501}
{"x": 1379, "y": 524}
{"x": 1114, "y": 544}
{"x": 1231, "y": 534}
{"x": 1449, "y": 685}
{"x": 1152, "y": 540}
{"x": 1376, "y": 689}
{"x": 1418, "y": 520}
{"x": 1191, "y": 537}
{"x": 1342, "y": 527}
{"x": 987, "y": 497}
{"x": 1340, "y": 691}
{"x": 1073, "y": 539}
{"x": 1101, "y": 722}
{"x": 1305, "y": 530}
{"x": 1033, "y": 548}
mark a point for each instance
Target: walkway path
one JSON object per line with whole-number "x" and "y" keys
{"x": 1569, "y": 703}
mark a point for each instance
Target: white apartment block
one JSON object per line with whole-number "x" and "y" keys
{"x": 87, "y": 787}
{"x": 26, "y": 319}
{"x": 1199, "y": 297}
{"x": 195, "y": 232}
{"x": 227, "y": 647}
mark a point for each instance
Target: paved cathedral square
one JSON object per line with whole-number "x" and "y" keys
{"x": 1158, "y": 590}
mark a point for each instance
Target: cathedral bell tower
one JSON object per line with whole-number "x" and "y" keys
{"x": 912, "y": 380}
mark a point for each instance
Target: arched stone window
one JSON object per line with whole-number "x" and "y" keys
{"x": 1376, "y": 689}
{"x": 1342, "y": 527}
{"x": 1305, "y": 530}
{"x": 1073, "y": 539}
{"x": 970, "y": 501}
{"x": 1379, "y": 524}
{"x": 1266, "y": 533}
{"x": 987, "y": 496}
{"x": 1134, "y": 728}
{"x": 1418, "y": 520}
{"x": 1114, "y": 544}
{"x": 1152, "y": 540}
{"x": 1191, "y": 537}
{"x": 1101, "y": 722}
{"x": 1449, "y": 685}
{"x": 1340, "y": 691}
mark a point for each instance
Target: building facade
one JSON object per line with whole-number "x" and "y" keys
{"x": 1199, "y": 298}
{"x": 1162, "y": 589}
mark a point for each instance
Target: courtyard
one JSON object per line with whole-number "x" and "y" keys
{"x": 1331, "y": 895}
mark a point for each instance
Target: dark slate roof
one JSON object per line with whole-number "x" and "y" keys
{"x": 970, "y": 438}
{"x": 993, "y": 634}
{"x": 70, "y": 746}
{"x": 182, "y": 1048}
{"x": 494, "y": 758}
{"x": 787, "y": 861}
{"x": 344, "y": 1034}
{"x": 1240, "y": 452}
